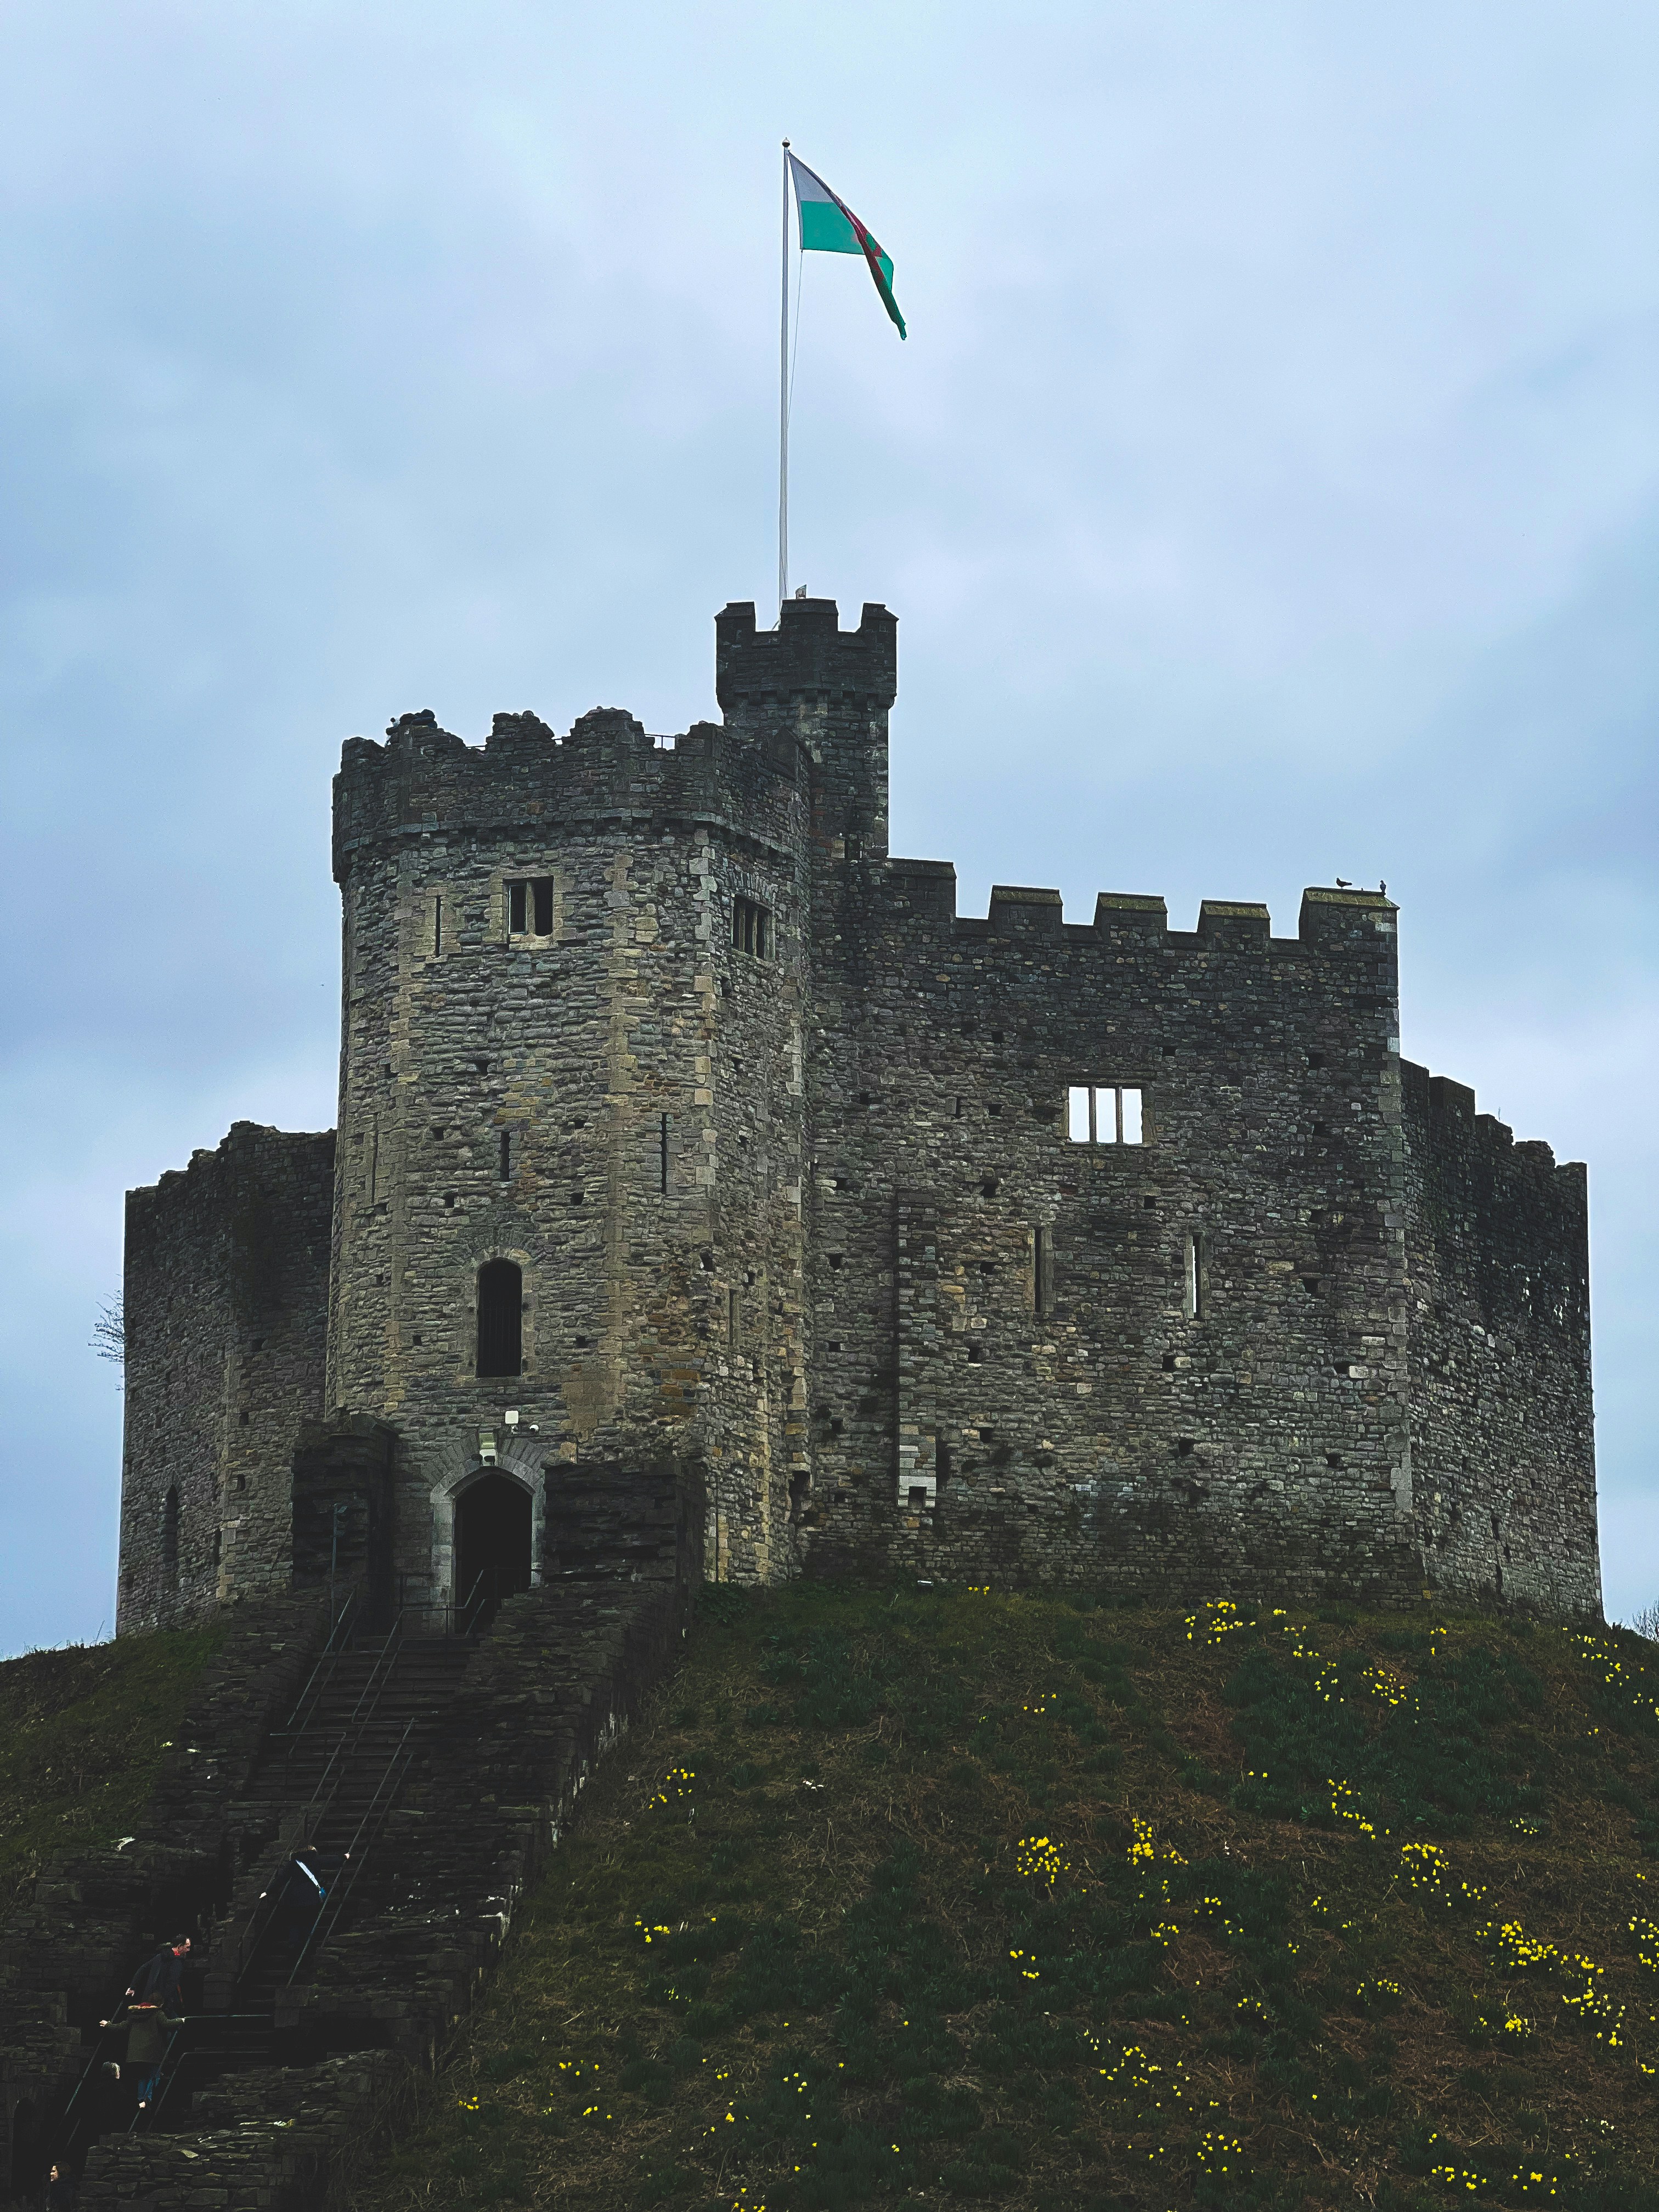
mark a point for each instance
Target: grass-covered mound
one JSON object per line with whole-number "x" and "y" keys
{"x": 954, "y": 1897}
{"x": 82, "y": 1734}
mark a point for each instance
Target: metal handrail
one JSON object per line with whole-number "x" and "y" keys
{"x": 356, "y": 1853}
{"x": 379, "y": 1675}
{"x": 369, "y": 1826}
{"x": 464, "y": 1609}
{"x": 65, "y": 2137}
{"x": 313, "y": 1813}
{"x": 173, "y": 2057}
{"x": 453, "y": 1611}
{"x": 328, "y": 1656}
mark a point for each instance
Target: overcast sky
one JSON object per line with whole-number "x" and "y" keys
{"x": 1267, "y": 492}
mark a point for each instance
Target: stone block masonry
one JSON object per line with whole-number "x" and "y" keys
{"x": 1171, "y": 1364}
{"x": 226, "y": 1299}
{"x": 680, "y": 1123}
{"x": 1497, "y": 1288}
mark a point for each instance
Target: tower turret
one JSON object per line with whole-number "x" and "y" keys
{"x": 568, "y": 1215}
{"x": 828, "y": 688}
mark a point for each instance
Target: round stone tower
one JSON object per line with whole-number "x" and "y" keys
{"x": 569, "y": 1236}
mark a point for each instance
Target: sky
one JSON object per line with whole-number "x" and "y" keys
{"x": 1268, "y": 489}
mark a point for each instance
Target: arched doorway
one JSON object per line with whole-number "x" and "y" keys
{"x": 492, "y": 1547}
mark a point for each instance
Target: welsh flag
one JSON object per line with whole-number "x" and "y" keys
{"x": 828, "y": 226}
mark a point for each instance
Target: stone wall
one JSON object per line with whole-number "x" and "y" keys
{"x": 226, "y": 1303}
{"x": 614, "y": 1102}
{"x": 1502, "y": 1436}
{"x": 809, "y": 1216}
{"x": 1009, "y": 1379}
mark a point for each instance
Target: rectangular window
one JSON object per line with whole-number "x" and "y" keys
{"x": 530, "y": 906}
{"x": 1104, "y": 1114}
{"x": 751, "y": 928}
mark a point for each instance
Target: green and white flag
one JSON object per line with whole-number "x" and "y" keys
{"x": 828, "y": 225}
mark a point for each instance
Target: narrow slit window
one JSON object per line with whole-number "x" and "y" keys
{"x": 751, "y": 928}
{"x": 438, "y": 924}
{"x": 1042, "y": 1269}
{"x": 506, "y": 1155}
{"x": 1105, "y": 1114}
{"x": 517, "y": 899}
{"x": 1194, "y": 1298}
{"x": 500, "y": 1318}
{"x": 662, "y": 1155}
{"x": 734, "y": 1317}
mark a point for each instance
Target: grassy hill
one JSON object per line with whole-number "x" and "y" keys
{"x": 82, "y": 1734}
{"x": 958, "y": 1897}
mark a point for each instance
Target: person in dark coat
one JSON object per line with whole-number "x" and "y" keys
{"x": 157, "y": 1980}
{"x": 60, "y": 2191}
{"x": 299, "y": 1900}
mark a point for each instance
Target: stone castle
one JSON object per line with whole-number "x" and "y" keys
{"x": 686, "y": 1137}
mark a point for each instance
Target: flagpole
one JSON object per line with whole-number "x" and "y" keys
{"x": 783, "y": 399}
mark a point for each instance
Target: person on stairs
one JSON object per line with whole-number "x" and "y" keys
{"x": 157, "y": 1980}
{"x": 149, "y": 2028}
{"x": 299, "y": 1901}
{"x": 149, "y": 2031}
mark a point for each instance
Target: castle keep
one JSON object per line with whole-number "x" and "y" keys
{"x": 686, "y": 1137}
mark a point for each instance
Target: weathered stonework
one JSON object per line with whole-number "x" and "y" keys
{"x": 800, "y": 1214}
{"x": 226, "y": 1313}
{"x": 1502, "y": 1448}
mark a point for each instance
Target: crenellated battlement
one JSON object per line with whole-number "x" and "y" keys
{"x": 524, "y": 780}
{"x": 1449, "y": 1120}
{"x": 807, "y": 656}
{"x": 755, "y": 772}
{"x": 1332, "y": 921}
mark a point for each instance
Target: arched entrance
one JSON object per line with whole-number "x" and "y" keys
{"x": 492, "y": 1547}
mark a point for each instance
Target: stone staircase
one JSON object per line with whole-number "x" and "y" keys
{"x": 446, "y": 1768}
